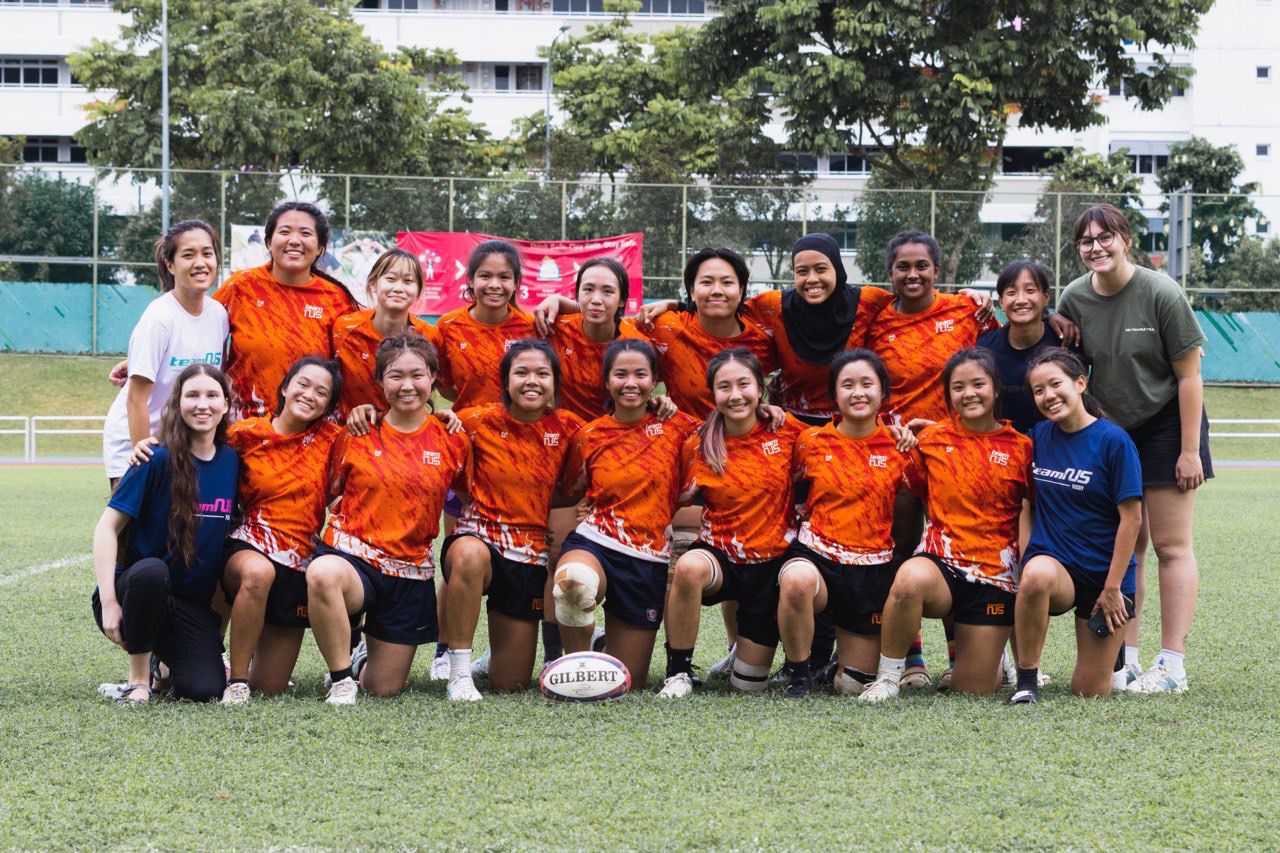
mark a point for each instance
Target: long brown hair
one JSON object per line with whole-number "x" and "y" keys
{"x": 712, "y": 431}
{"x": 175, "y": 437}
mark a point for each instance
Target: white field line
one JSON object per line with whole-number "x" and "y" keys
{"x": 30, "y": 571}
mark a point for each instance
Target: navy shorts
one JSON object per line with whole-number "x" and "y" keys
{"x": 515, "y": 589}
{"x": 1159, "y": 443}
{"x": 972, "y": 602}
{"x": 755, "y": 587}
{"x": 452, "y": 504}
{"x": 635, "y": 589}
{"x": 396, "y": 610}
{"x": 855, "y": 594}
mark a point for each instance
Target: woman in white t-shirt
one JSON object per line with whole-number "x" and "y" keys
{"x": 179, "y": 328}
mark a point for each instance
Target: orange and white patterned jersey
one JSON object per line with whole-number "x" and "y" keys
{"x": 471, "y": 353}
{"x": 515, "y": 468}
{"x": 631, "y": 475}
{"x": 582, "y": 365}
{"x": 686, "y": 349}
{"x": 391, "y": 488}
{"x": 976, "y": 485}
{"x": 272, "y": 326}
{"x": 355, "y": 346}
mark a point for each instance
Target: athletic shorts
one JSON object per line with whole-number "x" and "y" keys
{"x": 635, "y": 589}
{"x": 452, "y": 504}
{"x": 1159, "y": 442}
{"x": 515, "y": 589}
{"x": 855, "y": 594}
{"x": 755, "y": 587}
{"x": 1088, "y": 586}
{"x": 396, "y": 610}
{"x": 974, "y": 602}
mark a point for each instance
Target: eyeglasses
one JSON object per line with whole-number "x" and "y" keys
{"x": 1105, "y": 239}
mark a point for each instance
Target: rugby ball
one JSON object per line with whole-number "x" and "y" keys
{"x": 584, "y": 677}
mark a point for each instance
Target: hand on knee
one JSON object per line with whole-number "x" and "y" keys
{"x": 576, "y": 585}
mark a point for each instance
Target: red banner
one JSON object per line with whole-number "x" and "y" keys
{"x": 550, "y": 266}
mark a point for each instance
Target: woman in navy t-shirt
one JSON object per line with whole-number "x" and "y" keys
{"x": 157, "y": 550}
{"x": 1088, "y": 509}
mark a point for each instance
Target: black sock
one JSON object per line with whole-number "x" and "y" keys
{"x": 552, "y": 646}
{"x": 231, "y": 681}
{"x": 858, "y": 675}
{"x": 1119, "y": 660}
{"x": 679, "y": 660}
{"x": 799, "y": 670}
{"x": 336, "y": 675}
{"x": 1029, "y": 679}
{"x": 441, "y": 649}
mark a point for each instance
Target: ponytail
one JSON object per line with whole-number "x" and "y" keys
{"x": 1073, "y": 366}
{"x": 712, "y": 432}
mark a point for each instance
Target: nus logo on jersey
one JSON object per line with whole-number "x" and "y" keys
{"x": 771, "y": 447}
{"x": 1074, "y": 476}
{"x": 943, "y": 326}
{"x": 999, "y": 458}
{"x": 653, "y": 430}
{"x": 877, "y": 461}
{"x": 430, "y": 457}
{"x": 551, "y": 439}
{"x": 313, "y": 312}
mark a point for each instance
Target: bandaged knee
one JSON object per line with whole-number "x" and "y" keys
{"x": 575, "y": 588}
{"x": 847, "y": 685}
{"x": 748, "y": 678}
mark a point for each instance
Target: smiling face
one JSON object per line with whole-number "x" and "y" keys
{"x": 913, "y": 272}
{"x": 203, "y": 404}
{"x": 1023, "y": 301}
{"x": 858, "y": 391}
{"x": 195, "y": 261}
{"x": 630, "y": 382}
{"x": 1102, "y": 250}
{"x": 1056, "y": 394}
{"x": 306, "y": 397}
{"x": 716, "y": 292}
{"x": 406, "y": 383}
{"x": 815, "y": 276}
{"x": 531, "y": 382}
{"x": 294, "y": 244}
{"x": 971, "y": 391}
{"x": 736, "y": 392}
{"x": 494, "y": 283}
{"x": 396, "y": 288}
{"x": 599, "y": 295}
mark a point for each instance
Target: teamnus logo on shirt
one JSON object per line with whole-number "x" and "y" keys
{"x": 943, "y": 326}
{"x": 771, "y": 447}
{"x": 214, "y": 358}
{"x": 653, "y": 430}
{"x": 999, "y": 458}
{"x": 1078, "y": 477}
{"x": 878, "y": 461}
{"x": 218, "y": 508}
{"x": 313, "y": 312}
{"x": 551, "y": 439}
{"x": 430, "y": 457}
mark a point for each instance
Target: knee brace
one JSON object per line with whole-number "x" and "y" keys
{"x": 748, "y": 678}
{"x": 575, "y": 590}
{"x": 847, "y": 685}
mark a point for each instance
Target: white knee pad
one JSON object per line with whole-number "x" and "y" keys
{"x": 575, "y": 590}
{"x": 846, "y": 685}
{"x": 748, "y": 678}
{"x": 803, "y": 567}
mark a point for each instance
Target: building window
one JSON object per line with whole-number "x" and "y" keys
{"x": 528, "y": 78}
{"x": 1262, "y": 228}
{"x": 798, "y": 162}
{"x": 1262, "y": 150}
{"x": 16, "y": 71}
{"x": 1263, "y": 72}
{"x": 502, "y": 78}
{"x": 40, "y": 149}
{"x": 1025, "y": 160}
{"x": 847, "y": 164}
{"x": 1148, "y": 164}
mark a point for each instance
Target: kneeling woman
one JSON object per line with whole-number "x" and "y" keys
{"x": 499, "y": 548}
{"x": 1088, "y": 510}
{"x": 377, "y": 553}
{"x": 741, "y": 467}
{"x": 285, "y": 462}
{"x": 156, "y": 581}
{"x": 977, "y": 476}
{"x": 628, "y": 464}
{"x": 842, "y": 559}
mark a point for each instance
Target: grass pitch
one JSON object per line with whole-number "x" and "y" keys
{"x": 1198, "y": 770}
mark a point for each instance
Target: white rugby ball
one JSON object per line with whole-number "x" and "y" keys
{"x": 584, "y": 677}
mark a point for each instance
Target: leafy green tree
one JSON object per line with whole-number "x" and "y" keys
{"x": 42, "y": 215}
{"x": 1254, "y": 265}
{"x": 1218, "y": 218}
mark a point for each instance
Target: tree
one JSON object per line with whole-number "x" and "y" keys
{"x": 1254, "y": 265}
{"x": 40, "y": 215}
{"x": 1218, "y": 219}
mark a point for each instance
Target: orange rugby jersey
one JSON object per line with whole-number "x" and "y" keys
{"x": 515, "y": 467}
{"x": 471, "y": 353}
{"x": 631, "y": 474}
{"x": 804, "y": 384}
{"x": 355, "y": 346}
{"x": 686, "y": 349}
{"x": 915, "y": 348}
{"x": 272, "y": 326}
{"x": 853, "y": 485}
{"x": 391, "y": 488}
{"x": 283, "y": 486}
{"x": 749, "y": 508}
{"x": 582, "y": 365}
{"x": 976, "y": 485}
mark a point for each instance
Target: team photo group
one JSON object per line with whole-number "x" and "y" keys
{"x": 826, "y": 466}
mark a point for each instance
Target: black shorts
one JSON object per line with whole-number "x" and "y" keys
{"x": 855, "y": 594}
{"x": 515, "y": 589}
{"x": 972, "y": 602}
{"x": 755, "y": 587}
{"x": 1087, "y": 588}
{"x": 1159, "y": 442}
{"x": 396, "y": 610}
{"x": 635, "y": 589}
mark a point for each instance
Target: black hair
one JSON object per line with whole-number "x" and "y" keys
{"x": 987, "y": 362}
{"x": 335, "y": 375}
{"x": 1009, "y": 276}
{"x": 1073, "y": 366}
{"x": 509, "y": 253}
{"x": 529, "y": 345}
{"x": 166, "y": 249}
{"x": 614, "y": 266}
{"x": 847, "y": 357}
{"x": 730, "y": 257}
{"x": 904, "y": 237}
{"x": 322, "y": 232}
{"x": 616, "y": 349}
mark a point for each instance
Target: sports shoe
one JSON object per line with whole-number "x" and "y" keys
{"x": 1010, "y": 669}
{"x": 237, "y": 693}
{"x": 480, "y": 666}
{"x": 799, "y": 688}
{"x": 359, "y": 657}
{"x": 343, "y": 692}
{"x": 597, "y": 640}
{"x": 914, "y": 676}
{"x": 1024, "y": 697}
{"x": 944, "y": 680}
{"x": 112, "y": 690}
{"x": 462, "y": 689}
{"x": 678, "y": 686}
{"x": 723, "y": 667}
{"x": 1043, "y": 679}
{"x": 1120, "y": 679}
{"x": 1157, "y": 679}
{"x": 440, "y": 668}
{"x": 880, "y": 690}
{"x": 226, "y": 666}
{"x": 825, "y": 675}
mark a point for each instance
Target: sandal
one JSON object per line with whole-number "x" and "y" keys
{"x": 126, "y": 697}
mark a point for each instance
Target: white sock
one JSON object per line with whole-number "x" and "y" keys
{"x": 1172, "y": 663}
{"x": 1131, "y": 657}
{"x": 459, "y": 663}
{"x": 891, "y": 669}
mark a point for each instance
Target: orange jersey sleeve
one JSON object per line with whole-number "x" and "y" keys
{"x": 272, "y": 326}
{"x": 283, "y": 486}
{"x": 582, "y": 365}
{"x": 471, "y": 353}
{"x": 804, "y": 383}
{"x": 392, "y": 490}
{"x": 749, "y": 508}
{"x": 631, "y": 475}
{"x": 355, "y": 346}
{"x": 686, "y": 348}
{"x": 515, "y": 467}
{"x": 976, "y": 485}
{"x": 915, "y": 348}
{"x": 853, "y": 485}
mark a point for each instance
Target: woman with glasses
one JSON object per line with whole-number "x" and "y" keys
{"x": 1139, "y": 333}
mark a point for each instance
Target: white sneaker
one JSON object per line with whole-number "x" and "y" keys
{"x": 236, "y": 693}
{"x": 879, "y": 690}
{"x": 359, "y": 657}
{"x": 1157, "y": 679}
{"x": 480, "y": 666}
{"x": 1043, "y": 678}
{"x": 112, "y": 690}
{"x": 462, "y": 689}
{"x": 724, "y": 666}
{"x": 343, "y": 692}
{"x": 1010, "y": 670}
{"x": 226, "y": 666}
{"x": 1123, "y": 677}
{"x": 440, "y": 668}
{"x": 597, "y": 639}
{"x": 678, "y": 686}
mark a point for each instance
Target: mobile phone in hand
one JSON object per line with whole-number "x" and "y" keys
{"x": 1098, "y": 620}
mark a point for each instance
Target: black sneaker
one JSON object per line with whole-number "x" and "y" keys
{"x": 799, "y": 688}
{"x": 1024, "y": 697}
{"x": 825, "y": 675}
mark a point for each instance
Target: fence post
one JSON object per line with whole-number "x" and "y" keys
{"x": 564, "y": 210}
{"x": 451, "y": 204}
{"x": 684, "y": 224}
{"x": 222, "y": 218}
{"x": 346, "y": 180}
{"x": 804, "y": 211}
{"x": 1057, "y": 248}
{"x": 93, "y": 322}
{"x": 933, "y": 212}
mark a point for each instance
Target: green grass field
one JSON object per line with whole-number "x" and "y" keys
{"x": 719, "y": 770}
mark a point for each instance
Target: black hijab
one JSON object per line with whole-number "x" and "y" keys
{"x": 818, "y": 332}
